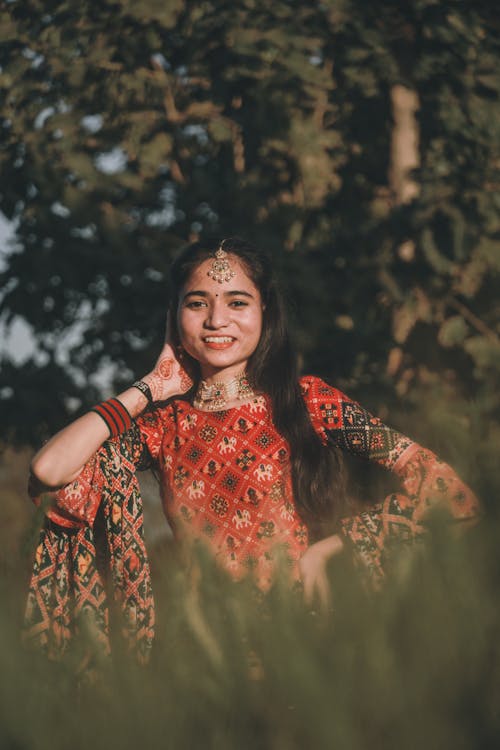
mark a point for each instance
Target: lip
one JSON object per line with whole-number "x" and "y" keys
{"x": 219, "y": 342}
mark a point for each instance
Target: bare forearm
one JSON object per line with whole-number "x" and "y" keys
{"x": 63, "y": 456}
{"x": 329, "y": 546}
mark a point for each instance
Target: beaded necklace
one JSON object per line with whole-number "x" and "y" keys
{"x": 216, "y": 396}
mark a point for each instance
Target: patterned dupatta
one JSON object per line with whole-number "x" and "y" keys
{"x": 83, "y": 569}
{"x": 70, "y": 590}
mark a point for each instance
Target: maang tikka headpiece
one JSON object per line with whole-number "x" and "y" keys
{"x": 220, "y": 270}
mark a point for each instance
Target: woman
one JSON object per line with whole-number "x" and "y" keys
{"x": 248, "y": 455}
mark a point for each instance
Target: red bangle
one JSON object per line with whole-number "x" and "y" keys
{"x": 115, "y": 414}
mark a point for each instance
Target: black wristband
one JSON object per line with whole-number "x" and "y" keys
{"x": 144, "y": 389}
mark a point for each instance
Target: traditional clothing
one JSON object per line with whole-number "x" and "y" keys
{"x": 225, "y": 480}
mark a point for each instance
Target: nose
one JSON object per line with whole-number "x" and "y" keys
{"x": 218, "y": 314}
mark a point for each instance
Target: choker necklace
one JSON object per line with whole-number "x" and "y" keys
{"x": 216, "y": 396}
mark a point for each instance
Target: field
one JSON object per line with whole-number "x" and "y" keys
{"x": 415, "y": 665}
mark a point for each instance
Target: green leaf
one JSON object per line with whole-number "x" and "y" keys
{"x": 155, "y": 153}
{"x": 453, "y": 331}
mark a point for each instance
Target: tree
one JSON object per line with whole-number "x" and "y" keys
{"x": 130, "y": 128}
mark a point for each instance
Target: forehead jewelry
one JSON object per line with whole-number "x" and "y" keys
{"x": 220, "y": 270}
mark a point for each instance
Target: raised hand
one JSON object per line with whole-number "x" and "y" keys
{"x": 169, "y": 376}
{"x": 63, "y": 456}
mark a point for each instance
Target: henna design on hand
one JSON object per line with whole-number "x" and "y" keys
{"x": 155, "y": 383}
{"x": 186, "y": 381}
{"x": 166, "y": 368}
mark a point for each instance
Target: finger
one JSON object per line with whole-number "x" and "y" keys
{"x": 324, "y": 591}
{"x": 308, "y": 588}
{"x": 317, "y": 589}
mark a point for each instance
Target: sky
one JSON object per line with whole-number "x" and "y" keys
{"x": 17, "y": 339}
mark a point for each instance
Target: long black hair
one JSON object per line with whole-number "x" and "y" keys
{"x": 318, "y": 475}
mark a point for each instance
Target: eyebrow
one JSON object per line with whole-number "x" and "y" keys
{"x": 232, "y": 293}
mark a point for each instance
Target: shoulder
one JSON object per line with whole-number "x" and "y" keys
{"x": 314, "y": 387}
{"x": 156, "y": 414}
{"x": 160, "y": 417}
{"x": 159, "y": 423}
{"x": 324, "y": 402}
{"x": 316, "y": 391}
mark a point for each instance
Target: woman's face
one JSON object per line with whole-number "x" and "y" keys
{"x": 220, "y": 324}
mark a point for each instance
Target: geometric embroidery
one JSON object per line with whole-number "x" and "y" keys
{"x": 208, "y": 433}
{"x": 329, "y": 413}
{"x": 194, "y": 454}
{"x": 242, "y": 425}
{"x": 353, "y": 415}
{"x": 211, "y": 468}
{"x": 245, "y": 459}
{"x": 399, "y": 518}
{"x": 219, "y": 505}
{"x": 226, "y": 479}
{"x": 356, "y": 441}
{"x": 264, "y": 439}
{"x": 282, "y": 455}
{"x": 230, "y": 481}
{"x": 233, "y": 473}
{"x": 180, "y": 476}
{"x": 380, "y": 441}
{"x": 67, "y": 587}
{"x": 252, "y": 496}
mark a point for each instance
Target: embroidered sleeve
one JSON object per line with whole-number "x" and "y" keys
{"x": 401, "y": 517}
{"x": 75, "y": 504}
{"x": 152, "y": 426}
{"x": 343, "y": 422}
{"x": 425, "y": 479}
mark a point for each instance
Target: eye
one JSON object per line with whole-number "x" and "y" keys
{"x": 238, "y": 303}
{"x": 195, "y": 304}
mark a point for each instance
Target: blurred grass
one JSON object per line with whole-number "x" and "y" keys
{"x": 415, "y": 666}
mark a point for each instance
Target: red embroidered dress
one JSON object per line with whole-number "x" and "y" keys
{"x": 225, "y": 480}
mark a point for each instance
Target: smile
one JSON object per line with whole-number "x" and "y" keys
{"x": 218, "y": 339}
{"x": 218, "y": 343}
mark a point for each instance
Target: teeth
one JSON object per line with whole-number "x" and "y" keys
{"x": 218, "y": 339}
